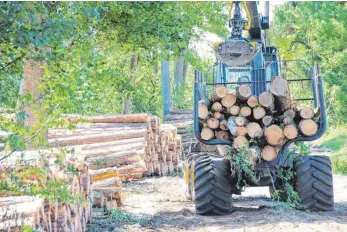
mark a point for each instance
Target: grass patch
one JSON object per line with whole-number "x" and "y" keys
{"x": 336, "y": 140}
{"x": 122, "y": 217}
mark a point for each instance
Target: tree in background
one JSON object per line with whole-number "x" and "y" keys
{"x": 316, "y": 32}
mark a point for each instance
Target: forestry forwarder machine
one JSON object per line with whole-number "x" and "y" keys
{"x": 210, "y": 176}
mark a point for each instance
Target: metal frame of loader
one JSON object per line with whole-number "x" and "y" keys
{"x": 264, "y": 171}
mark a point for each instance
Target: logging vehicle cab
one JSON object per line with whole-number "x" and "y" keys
{"x": 249, "y": 107}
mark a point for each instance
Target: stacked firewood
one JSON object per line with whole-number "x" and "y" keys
{"x": 265, "y": 122}
{"x": 43, "y": 214}
{"x": 183, "y": 120}
{"x": 119, "y": 148}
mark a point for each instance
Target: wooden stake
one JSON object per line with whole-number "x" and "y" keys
{"x": 290, "y": 131}
{"x": 234, "y": 110}
{"x": 229, "y": 100}
{"x": 252, "y": 101}
{"x": 245, "y": 111}
{"x": 308, "y": 127}
{"x": 258, "y": 112}
{"x": 243, "y": 92}
{"x": 254, "y": 130}
{"x": 268, "y": 153}
{"x": 274, "y": 135}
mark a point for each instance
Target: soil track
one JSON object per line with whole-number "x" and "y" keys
{"x": 163, "y": 201}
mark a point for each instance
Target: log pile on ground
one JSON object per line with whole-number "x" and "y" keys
{"x": 49, "y": 212}
{"x": 183, "y": 120}
{"x": 266, "y": 121}
{"x": 119, "y": 148}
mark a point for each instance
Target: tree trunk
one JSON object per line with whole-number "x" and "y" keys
{"x": 165, "y": 86}
{"x": 290, "y": 132}
{"x": 266, "y": 99}
{"x": 252, "y": 101}
{"x": 127, "y": 102}
{"x": 178, "y": 75}
{"x": 212, "y": 123}
{"x": 228, "y": 100}
{"x": 234, "y": 110}
{"x": 241, "y": 131}
{"x": 269, "y": 153}
{"x": 267, "y": 120}
{"x": 245, "y": 111}
{"x": 223, "y": 135}
{"x": 219, "y": 92}
{"x": 207, "y": 134}
{"x": 306, "y": 113}
{"x": 131, "y": 118}
{"x": 308, "y": 127}
{"x": 258, "y": 112}
{"x": 243, "y": 92}
{"x": 203, "y": 107}
{"x": 240, "y": 141}
{"x": 254, "y": 130}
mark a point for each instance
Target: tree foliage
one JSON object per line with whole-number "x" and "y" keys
{"x": 316, "y": 32}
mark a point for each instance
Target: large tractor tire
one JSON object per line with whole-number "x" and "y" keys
{"x": 190, "y": 162}
{"x": 212, "y": 186}
{"x": 314, "y": 182}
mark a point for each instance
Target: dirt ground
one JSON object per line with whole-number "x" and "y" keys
{"x": 162, "y": 203}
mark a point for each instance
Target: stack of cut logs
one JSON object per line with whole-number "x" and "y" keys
{"x": 264, "y": 122}
{"x": 41, "y": 214}
{"x": 183, "y": 120}
{"x": 118, "y": 148}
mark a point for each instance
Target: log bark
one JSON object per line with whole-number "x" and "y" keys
{"x": 243, "y": 92}
{"x": 266, "y": 99}
{"x": 240, "y": 141}
{"x": 203, "y": 107}
{"x": 228, "y": 100}
{"x": 269, "y": 153}
{"x": 245, "y": 111}
{"x": 112, "y": 160}
{"x": 207, "y": 134}
{"x": 223, "y": 135}
{"x": 254, "y": 130}
{"x": 267, "y": 120}
{"x": 132, "y": 171}
{"x": 306, "y": 113}
{"x": 219, "y": 92}
{"x": 280, "y": 89}
{"x": 223, "y": 125}
{"x": 308, "y": 127}
{"x": 125, "y": 118}
{"x": 258, "y": 112}
{"x": 274, "y": 135}
{"x": 234, "y": 110}
{"x": 290, "y": 132}
{"x": 232, "y": 125}
{"x": 97, "y": 138}
{"x": 213, "y": 123}
{"x": 104, "y": 173}
{"x": 252, "y": 101}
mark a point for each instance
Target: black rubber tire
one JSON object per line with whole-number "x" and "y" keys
{"x": 212, "y": 186}
{"x": 314, "y": 182}
{"x": 192, "y": 159}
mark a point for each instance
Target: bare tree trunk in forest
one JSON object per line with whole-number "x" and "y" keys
{"x": 165, "y": 86}
{"x": 179, "y": 69}
{"x": 33, "y": 73}
{"x": 127, "y": 101}
{"x": 185, "y": 71}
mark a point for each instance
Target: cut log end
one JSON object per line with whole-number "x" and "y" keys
{"x": 267, "y": 120}
{"x": 252, "y": 101}
{"x": 220, "y": 92}
{"x": 290, "y": 132}
{"x": 234, "y": 110}
{"x": 240, "y": 141}
{"x": 241, "y": 131}
{"x": 258, "y": 112}
{"x": 217, "y": 107}
{"x": 306, "y": 113}
{"x": 268, "y": 153}
{"x": 213, "y": 123}
{"x": 222, "y": 135}
{"x": 308, "y": 127}
{"x": 223, "y": 125}
{"x": 274, "y": 135}
{"x": 207, "y": 134}
{"x": 228, "y": 100}
{"x": 254, "y": 130}
{"x": 245, "y": 111}
{"x": 240, "y": 121}
{"x": 266, "y": 99}
{"x": 243, "y": 92}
